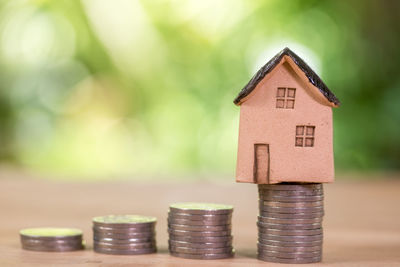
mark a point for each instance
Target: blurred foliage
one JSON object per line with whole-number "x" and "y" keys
{"x": 103, "y": 88}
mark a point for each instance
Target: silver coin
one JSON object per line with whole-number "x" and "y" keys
{"x": 288, "y": 193}
{"x": 300, "y": 215}
{"x": 53, "y": 248}
{"x": 124, "y": 235}
{"x": 201, "y": 250}
{"x": 199, "y": 217}
{"x": 127, "y": 231}
{"x": 123, "y": 241}
{"x": 69, "y": 242}
{"x": 288, "y": 249}
{"x": 278, "y": 221}
{"x": 124, "y": 246}
{"x": 203, "y": 256}
{"x": 291, "y": 204}
{"x": 307, "y": 226}
{"x": 292, "y": 210}
{"x": 202, "y": 228}
{"x": 52, "y": 245}
{"x": 291, "y": 198}
{"x": 172, "y": 211}
{"x": 291, "y": 186}
{"x": 137, "y": 234}
{"x": 298, "y": 238}
{"x": 52, "y": 238}
{"x": 198, "y": 223}
{"x": 308, "y": 232}
{"x": 292, "y": 261}
{"x": 200, "y": 239}
{"x": 200, "y": 208}
{"x": 127, "y": 227}
{"x": 199, "y": 245}
{"x": 289, "y": 255}
{"x": 266, "y": 241}
{"x": 124, "y": 252}
{"x": 280, "y": 189}
{"x": 124, "y": 221}
{"x": 123, "y": 238}
{"x": 199, "y": 233}
{"x": 44, "y": 247}
{"x": 51, "y": 233}
{"x": 132, "y": 239}
{"x": 124, "y": 230}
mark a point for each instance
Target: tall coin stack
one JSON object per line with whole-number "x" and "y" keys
{"x": 200, "y": 231}
{"x": 124, "y": 234}
{"x": 290, "y": 222}
{"x": 51, "y": 239}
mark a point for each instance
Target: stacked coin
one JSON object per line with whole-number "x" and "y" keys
{"x": 51, "y": 239}
{"x": 124, "y": 234}
{"x": 200, "y": 231}
{"x": 290, "y": 222}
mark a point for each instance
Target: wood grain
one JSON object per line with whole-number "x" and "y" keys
{"x": 361, "y": 225}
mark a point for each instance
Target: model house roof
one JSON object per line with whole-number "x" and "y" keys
{"x": 267, "y": 68}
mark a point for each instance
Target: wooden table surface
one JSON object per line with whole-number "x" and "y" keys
{"x": 361, "y": 225}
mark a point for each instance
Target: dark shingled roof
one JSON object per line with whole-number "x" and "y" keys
{"x": 267, "y": 68}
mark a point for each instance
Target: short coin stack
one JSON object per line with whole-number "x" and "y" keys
{"x": 200, "y": 231}
{"x": 290, "y": 222}
{"x": 51, "y": 239}
{"x": 124, "y": 234}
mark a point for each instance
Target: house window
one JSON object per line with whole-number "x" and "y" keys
{"x": 285, "y": 97}
{"x": 305, "y": 136}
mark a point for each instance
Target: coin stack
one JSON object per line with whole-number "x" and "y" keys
{"x": 200, "y": 231}
{"x": 290, "y": 222}
{"x": 124, "y": 234}
{"x": 51, "y": 239}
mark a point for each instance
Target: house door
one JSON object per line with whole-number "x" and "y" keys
{"x": 261, "y": 163}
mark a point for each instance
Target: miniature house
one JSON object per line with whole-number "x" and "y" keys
{"x": 285, "y": 131}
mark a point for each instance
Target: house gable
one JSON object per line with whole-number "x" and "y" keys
{"x": 299, "y": 66}
{"x": 285, "y": 76}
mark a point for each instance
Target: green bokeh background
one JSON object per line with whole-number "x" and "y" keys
{"x": 103, "y": 88}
